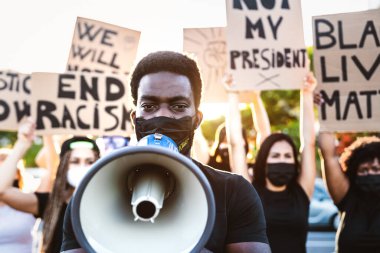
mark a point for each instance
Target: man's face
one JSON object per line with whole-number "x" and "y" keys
{"x": 165, "y": 94}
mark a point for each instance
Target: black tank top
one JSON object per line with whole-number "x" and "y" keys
{"x": 286, "y": 215}
{"x": 359, "y": 230}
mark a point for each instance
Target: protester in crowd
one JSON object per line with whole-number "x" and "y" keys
{"x": 15, "y": 226}
{"x": 353, "y": 182}
{"x": 219, "y": 155}
{"x": 166, "y": 89}
{"x": 237, "y": 144}
{"x": 76, "y": 155}
{"x": 286, "y": 185}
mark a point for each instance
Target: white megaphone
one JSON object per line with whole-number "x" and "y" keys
{"x": 146, "y": 198}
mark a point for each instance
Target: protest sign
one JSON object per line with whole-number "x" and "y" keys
{"x": 14, "y": 99}
{"x": 80, "y": 103}
{"x": 347, "y": 65}
{"x": 265, "y": 43}
{"x": 102, "y": 48}
{"x": 208, "y": 47}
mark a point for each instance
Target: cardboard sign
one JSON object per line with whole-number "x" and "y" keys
{"x": 14, "y": 99}
{"x": 102, "y": 48}
{"x": 208, "y": 46}
{"x": 265, "y": 42}
{"x": 347, "y": 65}
{"x": 80, "y": 103}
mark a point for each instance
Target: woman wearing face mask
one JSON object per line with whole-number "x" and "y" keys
{"x": 286, "y": 185}
{"x": 219, "y": 156}
{"x": 354, "y": 185}
{"x": 77, "y": 155}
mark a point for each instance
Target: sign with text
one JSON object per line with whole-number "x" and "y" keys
{"x": 347, "y": 65}
{"x": 14, "y": 99}
{"x": 102, "y": 48}
{"x": 80, "y": 103}
{"x": 208, "y": 46}
{"x": 266, "y": 49}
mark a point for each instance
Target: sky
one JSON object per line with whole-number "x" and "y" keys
{"x": 36, "y": 35}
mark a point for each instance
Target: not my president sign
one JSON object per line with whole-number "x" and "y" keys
{"x": 80, "y": 103}
{"x": 102, "y": 48}
{"x": 14, "y": 98}
{"x": 347, "y": 65}
{"x": 266, "y": 44}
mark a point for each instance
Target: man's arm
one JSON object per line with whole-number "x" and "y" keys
{"x": 246, "y": 220}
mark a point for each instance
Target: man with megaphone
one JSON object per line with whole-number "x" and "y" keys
{"x": 166, "y": 90}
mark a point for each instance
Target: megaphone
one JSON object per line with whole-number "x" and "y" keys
{"x": 144, "y": 199}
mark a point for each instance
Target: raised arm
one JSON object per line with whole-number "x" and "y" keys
{"x": 337, "y": 182}
{"x": 8, "y": 168}
{"x": 307, "y": 134}
{"x": 260, "y": 119}
{"x": 236, "y": 150}
{"x": 12, "y": 196}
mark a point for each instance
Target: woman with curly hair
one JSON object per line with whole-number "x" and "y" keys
{"x": 76, "y": 156}
{"x": 354, "y": 185}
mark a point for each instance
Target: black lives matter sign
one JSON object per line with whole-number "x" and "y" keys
{"x": 347, "y": 65}
{"x": 80, "y": 103}
{"x": 266, "y": 44}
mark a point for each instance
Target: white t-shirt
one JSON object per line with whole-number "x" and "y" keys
{"x": 15, "y": 230}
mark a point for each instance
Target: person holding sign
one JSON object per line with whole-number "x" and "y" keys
{"x": 77, "y": 154}
{"x": 15, "y": 226}
{"x": 354, "y": 185}
{"x": 166, "y": 89}
{"x": 237, "y": 143}
{"x": 286, "y": 185}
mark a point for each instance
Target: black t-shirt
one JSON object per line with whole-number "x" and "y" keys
{"x": 239, "y": 213}
{"x": 360, "y": 222}
{"x": 286, "y": 215}
{"x": 43, "y": 199}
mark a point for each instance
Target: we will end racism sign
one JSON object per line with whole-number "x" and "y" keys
{"x": 102, "y": 48}
{"x": 80, "y": 103}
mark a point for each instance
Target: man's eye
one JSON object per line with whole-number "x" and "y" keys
{"x": 179, "y": 107}
{"x": 148, "y": 107}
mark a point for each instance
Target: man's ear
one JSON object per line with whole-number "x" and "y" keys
{"x": 198, "y": 119}
{"x": 133, "y": 117}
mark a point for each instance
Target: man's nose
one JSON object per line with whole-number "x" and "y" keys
{"x": 163, "y": 112}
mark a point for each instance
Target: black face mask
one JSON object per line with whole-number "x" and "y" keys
{"x": 16, "y": 183}
{"x": 280, "y": 174}
{"x": 181, "y": 131}
{"x": 369, "y": 183}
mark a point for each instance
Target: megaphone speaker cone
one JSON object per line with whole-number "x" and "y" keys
{"x": 182, "y": 208}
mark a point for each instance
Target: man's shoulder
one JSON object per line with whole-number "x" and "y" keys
{"x": 217, "y": 174}
{"x": 223, "y": 180}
